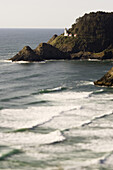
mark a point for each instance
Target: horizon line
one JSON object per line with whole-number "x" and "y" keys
{"x": 28, "y": 28}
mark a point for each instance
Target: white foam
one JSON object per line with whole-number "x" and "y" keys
{"x": 27, "y": 118}
{"x": 21, "y": 62}
{"x": 84, "y": 108}
{"x": 31, "y": 139}
{"x": 64, "y": 97}
{"x": 53, "y": 89}
{"x": 93, "y": 59}
{"x": 98, "y": 140}
{"x": 65, "y": 110}
{"x": 81, "y": 83}
{"x": 27, "y": 62}
{"x": 5, "y": 61}
{"x": 109, "y": 159}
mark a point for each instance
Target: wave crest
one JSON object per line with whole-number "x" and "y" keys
{"x": 9, "y": 154}
{"x": 57, "y": 89}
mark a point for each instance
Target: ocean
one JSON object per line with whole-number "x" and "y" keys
{"x": 52, "y": 117}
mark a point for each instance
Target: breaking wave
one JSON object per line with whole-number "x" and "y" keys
{"x": 96, "y": 118}
{"x": 9, "y": 154}
{"x": 23, "y": 139}
{"x": 57, "y": 89}
{"x": 108, "y": 159}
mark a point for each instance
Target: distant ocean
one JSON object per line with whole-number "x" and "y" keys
{"x": 52, "y": 117}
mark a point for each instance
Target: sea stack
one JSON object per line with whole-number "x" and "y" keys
{"x": 106, "y": 80}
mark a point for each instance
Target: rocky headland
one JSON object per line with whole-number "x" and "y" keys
{"x": 93, "y": 40}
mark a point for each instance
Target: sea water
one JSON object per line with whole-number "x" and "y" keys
{"x": 52, "y": 116}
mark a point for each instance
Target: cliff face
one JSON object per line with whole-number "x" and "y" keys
{"x": 94, "y": 34}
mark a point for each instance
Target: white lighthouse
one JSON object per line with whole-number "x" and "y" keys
{"x": 65, "y": 32}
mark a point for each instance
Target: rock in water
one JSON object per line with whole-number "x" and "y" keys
{"x": 106, "y": 80}
{"x": 26, "y": 54}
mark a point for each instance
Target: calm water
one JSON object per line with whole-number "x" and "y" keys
{"x": 52, "y": 117}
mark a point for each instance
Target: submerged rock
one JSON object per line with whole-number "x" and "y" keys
{"x": 106, "y": 80}
{"x": 26, "y": 54}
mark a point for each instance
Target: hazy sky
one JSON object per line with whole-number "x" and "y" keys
{"x": 47, "y": 13}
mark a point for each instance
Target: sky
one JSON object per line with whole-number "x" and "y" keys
{"x": 47, "y": 13}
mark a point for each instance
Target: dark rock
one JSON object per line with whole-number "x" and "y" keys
{"x": 77, "y": 56}
{"x": 81, "y": 55}
{"x": 48, "y": 52}
{"x": 106, "y": 80}
{"x": 43, "y": 52}
{"x": 107, "y": 55}
{"x": 26, "y": 54}
{"x": 104, "y": 55}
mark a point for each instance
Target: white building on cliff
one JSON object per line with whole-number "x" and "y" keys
{"x": 65, "y": 32}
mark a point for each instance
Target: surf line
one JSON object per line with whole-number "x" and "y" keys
{"x": 103, "y": 160}
{"x": 43, "y": 123}
{"x": 96, "y": 118}
{"x": 88, "y": 123}
{"x": 53, "y": 117}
